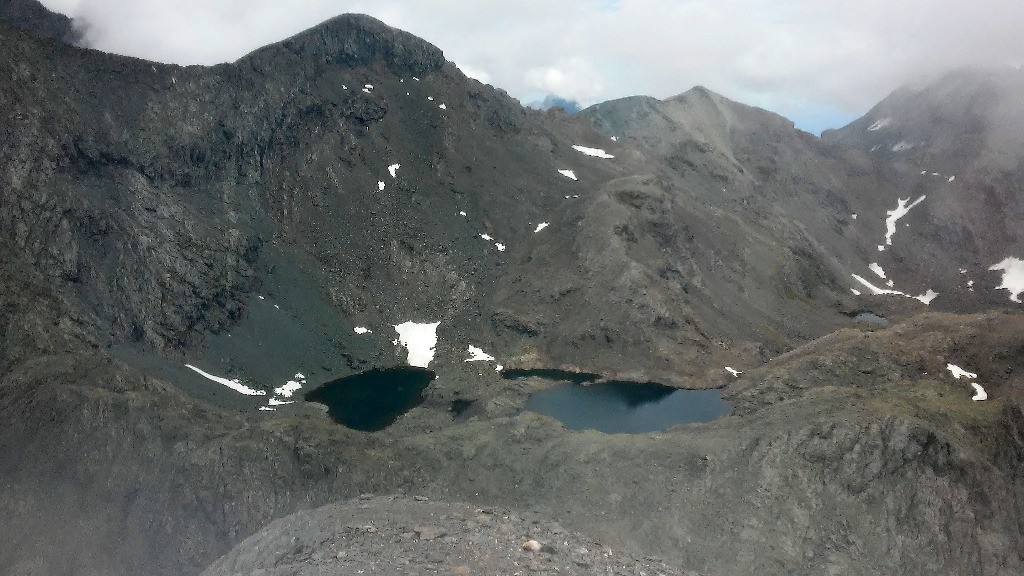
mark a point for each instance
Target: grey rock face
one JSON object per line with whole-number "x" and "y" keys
{"x": 33, "y": 17}
{"x": 960, "y": 136}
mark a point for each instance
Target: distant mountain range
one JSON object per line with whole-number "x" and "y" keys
{"x": 181, "y": 243}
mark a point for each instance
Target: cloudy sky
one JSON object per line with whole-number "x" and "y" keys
{"x": 818, "y": 62}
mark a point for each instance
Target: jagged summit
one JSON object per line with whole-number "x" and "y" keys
{"x": 703, "y": 97}
{"x": 358, "y": 40}
{"x": 699, "y": 112}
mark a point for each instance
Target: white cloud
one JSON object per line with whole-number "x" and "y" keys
{"x": 812, "y": 59}
{"x": 574, "y": 77}
{"x": 475, "y": 73}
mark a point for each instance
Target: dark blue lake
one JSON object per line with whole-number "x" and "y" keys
{"x": 372, "y": 400}
{"x": 626, "y": 408}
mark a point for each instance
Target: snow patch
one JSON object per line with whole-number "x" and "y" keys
{"x": 925, "y": 298}
{"x": 951, "y": 178}
{"x": 596, "y": 152}
{"x": 875, "y": 290}
{"x": 855, "y": 291}
{"x": 736, "y": 373}
{"x": 959, "y": 372}
{"x": 380, "y": 185}
{"x": 979, "y": 392}
{"x": 289, "y": 388}
{"x": 901, "y": 146}
{"x": 443, "y": 107}
{"x": 568, "y": 174}
{"x": 362, "y": 330}
{"x": 478, "y": 355}
{"x": 234, "y": 384}
{"x": 1013, "y": 277}
{"x": 276, "y": 402}
{"x": 895, "y": 214}
{"x": 880, "y": 124}
{"x": 419, "y": 339}
{"x": 540, "y": 227}
{"x": 393, "y": 169}
{"x": 486, "y": 237}
{"x": 874, "y": 267}
{"x": 499, "y": 246}
{"x": 462, "y": 212}
{"x": 854, "y": 216}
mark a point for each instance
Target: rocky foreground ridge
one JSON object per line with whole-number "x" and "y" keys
{"x": 246, "y": 217}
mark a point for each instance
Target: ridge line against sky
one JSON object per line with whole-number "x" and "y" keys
{"x": 821, "y": 63}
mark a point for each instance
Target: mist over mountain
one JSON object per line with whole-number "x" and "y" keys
{"x": 551, "y": 101}
{"x": 187, "y": 251}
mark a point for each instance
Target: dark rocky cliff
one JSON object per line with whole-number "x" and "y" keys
{"x": 31, "y": 16}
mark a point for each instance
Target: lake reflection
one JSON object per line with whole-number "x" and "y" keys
{"x": 626, "y": 408}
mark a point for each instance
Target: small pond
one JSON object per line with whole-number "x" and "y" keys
{"x": 372, "y": 400}
{"x": 625, "y": 407}
{"x": 870, "y": 318}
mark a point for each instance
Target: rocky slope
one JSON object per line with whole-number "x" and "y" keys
{"x": 961, "y": 136}
{"x": 840, "y": 201}
{"x": 375, "y": 535}
{"x": 31, "y": 16}
{"x": 859, "y": 453}
{"x": 247, "y": 217}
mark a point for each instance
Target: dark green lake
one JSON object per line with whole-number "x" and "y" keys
{"x": 626, "y": 408}
{"x": 372, "y": 400}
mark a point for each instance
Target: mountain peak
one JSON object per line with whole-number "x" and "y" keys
{"x": 359, "y": 40}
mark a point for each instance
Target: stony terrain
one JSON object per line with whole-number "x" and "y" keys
{"x": 378, "y": 535}
{"x": 233, "y": 217}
